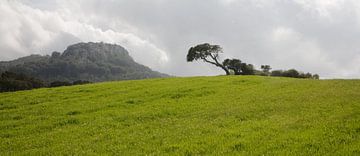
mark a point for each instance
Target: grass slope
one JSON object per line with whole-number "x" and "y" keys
{"x": 231, "y": 115}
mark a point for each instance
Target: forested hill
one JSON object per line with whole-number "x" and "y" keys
{"x": 83, "y": 61}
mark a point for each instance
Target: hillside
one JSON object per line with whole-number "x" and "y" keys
{"x": 246, "y": 115}
{"x": 83, "y": 61}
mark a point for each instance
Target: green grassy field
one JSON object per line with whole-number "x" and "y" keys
{"x": 223, "y": 115}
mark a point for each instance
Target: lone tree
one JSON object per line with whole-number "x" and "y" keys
{"x": 208, "y": 53}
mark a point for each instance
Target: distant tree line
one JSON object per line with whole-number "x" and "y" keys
{"x": 294, "y": 73}
{"x": 210, "y": 54}
{"x": 10, "y": 81}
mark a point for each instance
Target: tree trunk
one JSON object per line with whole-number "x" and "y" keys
{"x": 225, "y": 69}
{"x": 216, "y": 63}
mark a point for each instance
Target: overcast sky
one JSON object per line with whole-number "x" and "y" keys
{"x": 317, "y": 36}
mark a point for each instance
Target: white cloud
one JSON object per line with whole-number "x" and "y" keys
{"x": 322, "y": 7}
{"x": 281, "y": 34}
{"x": 28, "y": 30}
{"x": 288, "y": 44}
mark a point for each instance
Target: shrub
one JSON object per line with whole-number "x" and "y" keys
{"x": 60, "y": 83}
{"x": 80, "y": 82}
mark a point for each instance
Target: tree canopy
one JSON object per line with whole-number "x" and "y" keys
{"x": 207, "y": 53}
{"x": 239, "y": 68}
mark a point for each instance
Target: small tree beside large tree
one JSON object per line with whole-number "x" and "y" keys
{"x": 239, "y": 68}
{"x": 234, "y": 65}
{"x": 210, "y": 54}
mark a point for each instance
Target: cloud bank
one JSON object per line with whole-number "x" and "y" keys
{"x": 318, "y": 36}
{"x": 28, "y": 30}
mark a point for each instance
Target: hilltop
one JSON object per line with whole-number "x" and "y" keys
{"x": 83, "y": 61}
{"x": 232, "y": 115}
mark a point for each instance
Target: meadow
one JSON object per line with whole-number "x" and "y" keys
{"x": 221, "y": 115}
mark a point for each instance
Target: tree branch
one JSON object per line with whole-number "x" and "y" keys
{"x": 215, "y": 59}
{"x": 214, "y": 63}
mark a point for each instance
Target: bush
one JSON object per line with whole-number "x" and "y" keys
{"x": 80, "y": 82}
{"x": 294, "y": 73}
{"x": 291, "y": 73}
{"x": 60, "y": 83}
{"x": 277, "y": 73}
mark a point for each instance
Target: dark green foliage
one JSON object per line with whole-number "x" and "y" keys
{"x": 10, "y": 81}
{"x": 316, "y": 76}
{"x": 80, "y": 82}
{"x": 60, "y": 83}
{"x": 208, "y": 53}
{"x": 291, "y": 73}
{"x": 265, "y": 70}
{"x": 13, "y": 82}
{"x": 247, "y": 69}
{"x": 277, "y": 73}
{"x": 83, "y": 61}
{"x": 239, "y": 67}
{"x": 294, "y": 74}
{"x": 203, "y": 51}
{"x": 234, "y": 65}
{"x": 306, "y": 75}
